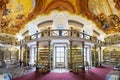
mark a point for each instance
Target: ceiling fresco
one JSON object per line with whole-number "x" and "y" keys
{"x": 16, "y": 13}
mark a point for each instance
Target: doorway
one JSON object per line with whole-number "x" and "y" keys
{"x": 60, "y": 56}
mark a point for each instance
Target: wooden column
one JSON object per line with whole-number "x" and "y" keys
{"x": 71, "y": 55}
{"x": 20, "y": 55}
{"x": 37, "y": 52}
{"x": 49, "y": 58}
{"x": 95, "y": 63}
{"x": 83, "y": 47}
{"x": 10, "y": 55}
{"x": 71, "y": 32}
{"x": 26, "y": 54}
{"x": 100, "y": 57}
{"x": 48, "y": 31}
{"x": 86, "y": 53}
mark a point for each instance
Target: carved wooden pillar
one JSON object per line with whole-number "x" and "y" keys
{"x": 83, "y": 47}
{"x": 26, "y": 54}
{"x": 71, "y": 55}
{"x": 95, "y": 62}
{"x": 100, "y": 57}
{"x": 20, "y": 55}
{"x": 37, "y": 45}
{"x": 37, "y": 52}
{"x": 49, "y": 58}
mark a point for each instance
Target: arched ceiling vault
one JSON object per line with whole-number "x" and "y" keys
{"x": 59, "y": 5}
{"x": 16, "y": 13}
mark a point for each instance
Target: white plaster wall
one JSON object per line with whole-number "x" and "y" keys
{"x": 60, "y": 21}
{"x": 88, "y": 29}
{"x": 32, "y": 52}
{"x": 101, "y": 37}
{"x": 32, "y": 27}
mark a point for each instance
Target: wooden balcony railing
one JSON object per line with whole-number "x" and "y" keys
{"x": 58, "y": 33}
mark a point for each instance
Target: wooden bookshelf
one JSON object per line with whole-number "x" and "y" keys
{"x": 115, "y": 57}
{"x": 94, "y": 58}
{"x": 1, "y": 55}
{"x": 111, "y": 56}
{"x": 26, "y": 57}
{"x": 76, "y": 58}
{"x": 45, "y": 58}
{"x": 51, "y": 60}
{"x": 106, "y": 56}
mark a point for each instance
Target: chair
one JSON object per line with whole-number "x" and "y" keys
{"x": 87, "y": 65}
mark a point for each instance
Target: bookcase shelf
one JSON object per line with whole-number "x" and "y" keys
{"x": 76, "y": 58}
{"x": 26, "y": 57}
{"x": 95, "y": 60}
{"x": 111, "y": 57}
{"x": 1, "y": 55}
{"x": 45, "y": 58}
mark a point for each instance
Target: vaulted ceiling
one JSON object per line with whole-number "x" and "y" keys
{"x": 16, "y": 13}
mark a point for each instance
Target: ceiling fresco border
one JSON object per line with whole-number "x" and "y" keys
{"x": 59, "y": 5}
{"x": 117, "y": 5}
{"x": 80, "y": 8}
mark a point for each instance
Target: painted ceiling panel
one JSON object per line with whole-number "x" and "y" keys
{"x": 104, "y": 13}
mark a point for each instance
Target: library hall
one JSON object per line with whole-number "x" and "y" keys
{"x": 59, "y": 39}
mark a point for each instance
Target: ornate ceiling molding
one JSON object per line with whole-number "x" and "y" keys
{"x": 3, "y": 4}
{"x": 117, "y": 5}
{"x": 59, "y": 5}
{"x": 39, "y": 6}
{"x": 79, "y": 7}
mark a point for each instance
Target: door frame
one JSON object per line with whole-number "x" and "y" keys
{"x": 66, "y": 60}
{"x": 56, "y": 65}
